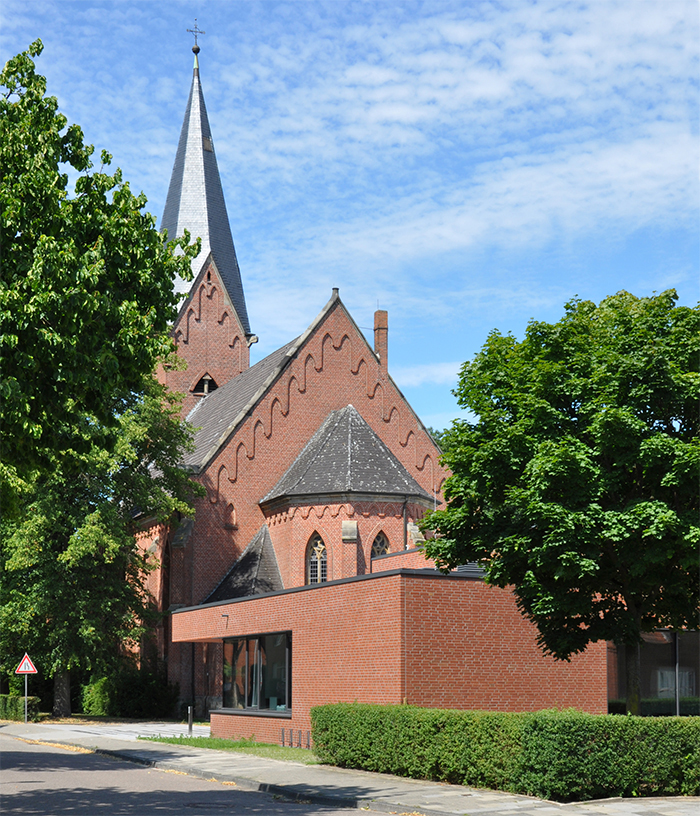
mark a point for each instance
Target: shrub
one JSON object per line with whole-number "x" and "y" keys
{"x": 560, "y": 755}
{"x": 571, "y": 756}
{"x": 98, "y": 697}
{"x": 12, "y": 708}
{"x": 130, "y": 693}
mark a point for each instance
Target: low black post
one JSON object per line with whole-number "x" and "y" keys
{"x": 190, "y": 717}
{"x": 283, "y": 737}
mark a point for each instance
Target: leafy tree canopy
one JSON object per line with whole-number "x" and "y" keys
{"x": 72, "y": 585}
{"x": 578, "y": 483}
{"x": 87, "y": 436}
{"x": 86, "y": 292}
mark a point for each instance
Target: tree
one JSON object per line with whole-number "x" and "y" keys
{"x": 86, "y": 292}
{"x": 87, "y": 436}
{"x": 578, "y": 483}
{"x": 72, "y": 579}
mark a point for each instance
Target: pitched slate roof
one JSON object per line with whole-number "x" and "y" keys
{"x": 216, "y": 415}
{"x": 255, "y": 572}
{"x": 346, "y": 456}
{"x": 195, "y": 201}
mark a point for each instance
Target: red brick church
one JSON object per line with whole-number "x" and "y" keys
{"x": 301, "y": 579}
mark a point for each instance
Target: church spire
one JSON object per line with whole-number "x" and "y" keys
{"x": 195, "y": 198}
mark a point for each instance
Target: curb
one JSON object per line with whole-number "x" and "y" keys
{"x": 295, "y": 795}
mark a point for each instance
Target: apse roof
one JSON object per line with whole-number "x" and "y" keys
{"x": 195, "y": 201}
{"x": 346, "y": 456}
{"x": 255, "y": 572}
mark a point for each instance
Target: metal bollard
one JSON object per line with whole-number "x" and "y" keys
{"x": 190, "y": 717}
{"x": 283, "y": 737}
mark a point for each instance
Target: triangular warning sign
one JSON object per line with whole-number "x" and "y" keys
{"x": 26, "y": 666}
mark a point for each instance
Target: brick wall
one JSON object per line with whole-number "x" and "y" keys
{"x": 436, "y": 641}
{"x": 408, "y": 559}
{"x": 346, "y": 645}
{"x": 209, "y": 339}
{"x": 333, "y": 369}
{"x": 468, "y": 647}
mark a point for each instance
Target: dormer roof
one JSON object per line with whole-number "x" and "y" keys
{"x": 195, "y": 201}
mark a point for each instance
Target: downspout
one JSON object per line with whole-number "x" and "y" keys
{"x": 405, "y": 522}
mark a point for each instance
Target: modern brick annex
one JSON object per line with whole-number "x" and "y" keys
{"x": 301, "y": 579}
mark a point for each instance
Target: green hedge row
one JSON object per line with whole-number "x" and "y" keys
{"x": 559, "y": 755}
{"x": 12, "y": 708}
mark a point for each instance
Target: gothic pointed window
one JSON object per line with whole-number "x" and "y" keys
{"x": 380, "y": 545}
{"x": 316, "y": 561}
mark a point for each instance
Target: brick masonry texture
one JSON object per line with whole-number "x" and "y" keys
{"x": 422, "y": 638}
{"x": 333, "y": 368}
{"x": 434, "y": 641}
{"x": 209, "y": 339}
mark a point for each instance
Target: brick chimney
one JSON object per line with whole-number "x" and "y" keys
{"x": 381, "y": 336}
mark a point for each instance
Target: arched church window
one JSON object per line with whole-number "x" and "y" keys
{"x": 316, "y": 561}
{"x": 206, "y": 385}
{"x": 380, "y": 545}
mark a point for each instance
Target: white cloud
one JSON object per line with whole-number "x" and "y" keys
{"x": 430, "y": 374}
{"x": 395, "y": 149}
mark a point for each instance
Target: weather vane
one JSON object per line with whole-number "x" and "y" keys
{"x": 196, "y": 31}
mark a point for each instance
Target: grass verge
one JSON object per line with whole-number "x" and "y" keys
{"x": 243, "y": 746}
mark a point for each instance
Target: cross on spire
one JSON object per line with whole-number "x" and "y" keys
{"x": 196, "y": 31}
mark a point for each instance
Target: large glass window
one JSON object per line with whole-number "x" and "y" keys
{"x": 258, "y": 672}
{"x": 316, "y": 561}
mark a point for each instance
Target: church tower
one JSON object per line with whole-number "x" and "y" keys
{"x": 211, "y": 331}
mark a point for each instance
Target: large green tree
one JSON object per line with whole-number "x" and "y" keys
{"x": 86, "y": 291}
{"x": 577, "y": 482}
{"x": 87, "y": 436}
{"x": 72, "y": 589}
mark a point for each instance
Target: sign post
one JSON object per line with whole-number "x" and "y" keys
{"x": 26, "y": 667}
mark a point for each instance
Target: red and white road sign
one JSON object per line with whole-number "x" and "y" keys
{"x": 26, "y": 666}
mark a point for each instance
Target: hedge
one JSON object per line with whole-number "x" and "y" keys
{"x": 12, "y": 708}
{"x": 559, "y": 755}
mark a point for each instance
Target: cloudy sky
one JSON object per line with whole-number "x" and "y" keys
{"x": 466, "y": 165}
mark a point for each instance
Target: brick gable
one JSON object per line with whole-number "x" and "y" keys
{"x": 209, "y": 338}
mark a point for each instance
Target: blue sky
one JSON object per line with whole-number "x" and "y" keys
{"x": 468, "y": 166}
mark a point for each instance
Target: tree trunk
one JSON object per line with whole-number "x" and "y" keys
{"x": 61, "y": 694}
{"x": 633, "y": 686}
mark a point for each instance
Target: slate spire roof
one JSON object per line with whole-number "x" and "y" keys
{"x": 346, "y": 456}
{"x": 195, "y": 200}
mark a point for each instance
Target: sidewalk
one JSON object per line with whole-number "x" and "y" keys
{"x": 328, "y": 785}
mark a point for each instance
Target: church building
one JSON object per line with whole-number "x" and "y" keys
{"x": 301, "y": 579}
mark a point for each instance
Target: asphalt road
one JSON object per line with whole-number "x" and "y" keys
{"x": 41, "y": 780}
